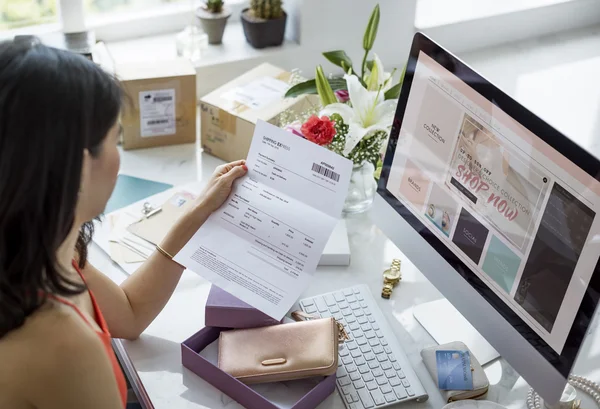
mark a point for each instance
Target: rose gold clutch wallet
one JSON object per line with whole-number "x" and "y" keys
{"x": 281, "y": 352}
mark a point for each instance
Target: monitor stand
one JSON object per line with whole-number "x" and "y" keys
{"x": 445, "y": 324}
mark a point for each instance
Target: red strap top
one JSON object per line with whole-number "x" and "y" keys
{"x": 104, "y": 337}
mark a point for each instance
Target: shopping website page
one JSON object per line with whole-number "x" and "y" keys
{"x": 519, "y": 214}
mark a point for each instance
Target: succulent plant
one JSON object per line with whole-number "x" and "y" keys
{"x": 266, "y": 9}
{"x": 214, "y": 6}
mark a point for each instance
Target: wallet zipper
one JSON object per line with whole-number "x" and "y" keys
{"x": 451, "y": 399}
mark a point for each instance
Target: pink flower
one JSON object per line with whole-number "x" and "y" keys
{"x": 295, "y": 128}
{"x": 319, "y": 130}
{"x": 342, "y": 95}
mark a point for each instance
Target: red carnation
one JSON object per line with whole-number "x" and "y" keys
{"x": 320, "y": 131}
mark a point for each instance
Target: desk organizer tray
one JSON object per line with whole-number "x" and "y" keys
{"x": 223, "y": 310}
{"x": 199, "y": 354}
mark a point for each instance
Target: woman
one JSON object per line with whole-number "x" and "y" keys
{"x": 58, "y": 166}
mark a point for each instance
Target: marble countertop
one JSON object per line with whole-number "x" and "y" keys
{"x": 555, "y": 77}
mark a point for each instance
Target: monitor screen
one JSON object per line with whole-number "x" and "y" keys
{"x": 507, "y": 210}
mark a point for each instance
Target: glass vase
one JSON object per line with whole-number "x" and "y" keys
{"x": 362, "y": 189}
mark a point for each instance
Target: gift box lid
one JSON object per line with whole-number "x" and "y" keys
{"x": 226, "y": 311}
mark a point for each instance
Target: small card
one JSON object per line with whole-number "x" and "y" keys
{"x": 454, "y": 370}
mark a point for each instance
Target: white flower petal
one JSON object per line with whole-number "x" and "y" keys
{"x": 362, "y": 100}
{"x": 384, "y": 112}
{"x": 381, "y": 77}
{"x": 344, "y": 110}
{"x": 355, "y": 134}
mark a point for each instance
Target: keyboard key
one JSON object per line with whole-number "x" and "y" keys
{"x": 311, "y": 309}
{"x": 352, "y": 345}
{"x": 400, "y": 373}
{"x": 343, "y": 304}
{"x": 341, "y": 371}
{"x": 397, "y": 366}
{"x": 346, "y": 390}
{"x": 321, "y": 306}
{"x": 386, "y": 365}
{"x": 369, "y": 356}
{"x": 395, "y": 381}
{"x": 356, "y": 353}
{"x": 355, "y": 306}
{"x": 388, "y": 350}
{"x": 350, "y": 318}
{"x": 350, "y": 298}
{"x": 378, "y": 349}
{"x": 368, "y": 377}
{"x": 347, "y": 291}
{"x": 344, "y": 352}
{"x": 349, "y": 399}
{"x": 390, "y": 397}
{"x": 361, "y": 340}
{"x": 378, "y": 397}
{"x": 358, "y": 313}
{"x": 353, "y": 406}
{"x": 381, "y": 381}
{"x": 377, "y": 372}
{"x": 351, "y": 368}
{"x": 354, "y": 396}
{"x": 379, "y": 334}
{"x": 347, "y": 360}
{"x": 382, "y": 357}
{"x": 392, "y": 357}
{"x": 326, "y": 314}
{"x": 359, "y": 297}
{"x": 383, "y": 341}
{"x": 363, "y": 369}
{"x": 307, "y": 302}
{"x": 400, "y": 392}
{"x": 329, "y": 300}
{"x": 365, "y": 348}
{"x": 356, "y": 290}
{"x": 410, "y": 392}
{"x": 370, "y": 334}
{"x": 334, "y": 309}
{"x": 374, "y": 342}
{"x": 365, "y": 398}
{"x": 362, "y": 320}
{"x": 365, "y": 327}
{"x": 375, "y": 326}
{"x": 371, "y": 319}
{"x": 390, "y": 373}
{"x": 386, "y": 389}
{"x": 405, "y": 383}
{"x": 372, "y": 385}
{"x": 363, "y": 304}
{"x": 338, "y": 316}
{"x": 373, "y": 364}
{"x": 339, "y": 297}
{"x": 360, "y": 361}
{"x": 354, "y": 326}
{"x": 359, "y": 384}
{"x": 343, "y": 381}
{"x": 354, "y": 376}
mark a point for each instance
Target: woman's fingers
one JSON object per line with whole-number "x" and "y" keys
{"x": 234, "y": 173}
{"x": 223, "y": 169}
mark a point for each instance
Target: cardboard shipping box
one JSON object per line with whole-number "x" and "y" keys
{"x": 161, "y": 108}
{"x": 229, "y": 113}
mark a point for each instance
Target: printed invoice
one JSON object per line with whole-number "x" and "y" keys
{"x": 264, "y": 244}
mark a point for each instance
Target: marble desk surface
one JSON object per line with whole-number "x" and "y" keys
{"x": 556, "y": 77}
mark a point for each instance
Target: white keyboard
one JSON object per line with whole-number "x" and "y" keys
{"x": 373, "y": 370}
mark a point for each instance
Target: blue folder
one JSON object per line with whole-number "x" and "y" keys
{"x": 130, "y": 189}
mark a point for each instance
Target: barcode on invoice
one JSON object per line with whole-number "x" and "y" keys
{"x": 162, "y": 99}
{"x": 328, "y": 173}
{"x": 157, "y": 121}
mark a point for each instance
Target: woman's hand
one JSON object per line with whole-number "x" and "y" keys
{"x": 219, "y": 186}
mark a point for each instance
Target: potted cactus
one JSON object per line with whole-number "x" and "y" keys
{"x": 213, "y": 16}
{"x": 264, "y": 23}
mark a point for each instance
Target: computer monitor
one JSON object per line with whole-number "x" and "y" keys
{"x": 498, "y": 210}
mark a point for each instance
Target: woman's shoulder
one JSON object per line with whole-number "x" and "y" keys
{"x": 52, "y": 341}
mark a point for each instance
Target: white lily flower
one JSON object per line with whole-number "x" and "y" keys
{"x": 367, "y": 114}
{"x": 383, "y": 80}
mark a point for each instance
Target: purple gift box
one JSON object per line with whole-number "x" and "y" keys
{"x": 223, "y": 310}
{"x": 243, "y": 394}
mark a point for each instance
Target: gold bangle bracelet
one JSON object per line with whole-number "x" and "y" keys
{"x": 166, "y": 254}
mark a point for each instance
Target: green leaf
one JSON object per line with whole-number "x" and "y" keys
{"x": 370, "y": 64}
{"x": 310, "y": 87}
{"x": 339, "y": 58}
{"x": 323, "y": 88}
{"x": 394, "y": 92}
{"x": 371, "y": 31}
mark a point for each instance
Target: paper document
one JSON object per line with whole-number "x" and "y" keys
{"x": 263, "y": 245}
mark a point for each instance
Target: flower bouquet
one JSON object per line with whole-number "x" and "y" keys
{"x": 354, "y": 116}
